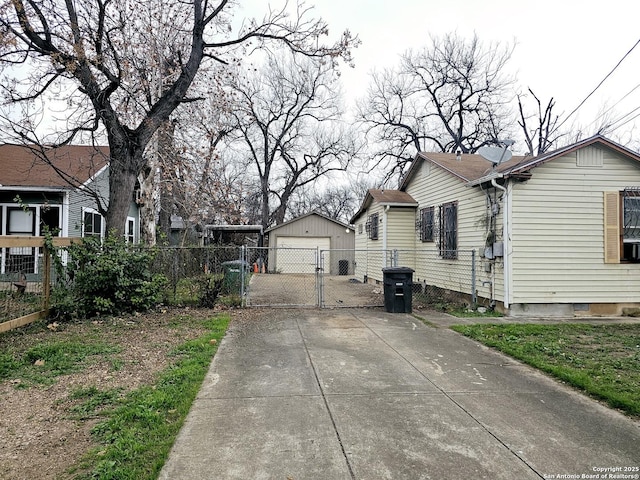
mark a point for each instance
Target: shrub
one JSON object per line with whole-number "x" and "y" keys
{"x": 107, "y": 277}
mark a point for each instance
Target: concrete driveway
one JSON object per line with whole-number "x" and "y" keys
{"x": 364, "y": 394}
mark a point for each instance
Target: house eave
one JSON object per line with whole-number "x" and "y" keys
{"x": 313, "y": 212}
{"x": 485, "y": 179}
{"x": 399, "y": 205}
{"x": 6, "y": 188}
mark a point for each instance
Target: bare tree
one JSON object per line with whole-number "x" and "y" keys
{"x": 543, "y": 136}
{"x": 91, "y": 55}
{"x": 450, "y": 95}
{"x": 288, "y": 118}
{"x": 339, "y": 202}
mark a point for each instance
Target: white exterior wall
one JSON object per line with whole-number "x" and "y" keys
{"x": 375, "y": 256}
{"x": 396, "y": 231}
{"x": 433, "y": 186}
{"x": 558, "y": 234}
{"x": 401, "y": 234}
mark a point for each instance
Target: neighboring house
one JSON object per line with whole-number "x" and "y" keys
{"x": 557, "y": 234}
{"x": 34, "y": 194}
{"x": 384, "y": 222}
{"x": 298, "y": 242}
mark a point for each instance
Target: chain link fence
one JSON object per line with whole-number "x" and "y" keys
{"x": 192, "y": 273}
{"x": 308, "y": 277}
{"x": 253, "y": 276}
{"x": 439, "y": 281}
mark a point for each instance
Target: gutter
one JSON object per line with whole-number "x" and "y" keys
{"x": 505, "y": 240}
{"x": 236, "y": 228}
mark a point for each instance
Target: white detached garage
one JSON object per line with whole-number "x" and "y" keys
{"x": 294, "y": 246}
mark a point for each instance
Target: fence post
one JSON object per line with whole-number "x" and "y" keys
{"x": 242, "y": 271}
{"x": 319, "y": 277}
{"x": 46, "y": 277}
{"x": 474, "y": 296}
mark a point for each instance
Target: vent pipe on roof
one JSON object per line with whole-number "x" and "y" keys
{"x": 459, "y": 154}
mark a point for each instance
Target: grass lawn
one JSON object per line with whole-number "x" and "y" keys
{"x": 602, "y": 360}
{"x": 138, "y": 433}
{"x": 114, "y": 392}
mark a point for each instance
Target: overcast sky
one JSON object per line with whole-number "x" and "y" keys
{"x": 564, "y": 48}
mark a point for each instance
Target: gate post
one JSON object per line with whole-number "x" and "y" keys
{"x": 319, "y": 277}
{"x": 243, "y": 272}
{"x": 474, "y": 295}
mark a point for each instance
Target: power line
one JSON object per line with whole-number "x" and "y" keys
{"x": 600, "y": 84}
{"x": 626, "y": 121}
{"x": 602, "y": 115}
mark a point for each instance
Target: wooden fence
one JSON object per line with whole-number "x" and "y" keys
{"x": 35, "y": 280}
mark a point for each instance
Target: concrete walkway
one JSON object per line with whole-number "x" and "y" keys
{"x": 364, "y": 394}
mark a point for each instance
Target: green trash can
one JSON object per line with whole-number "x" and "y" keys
{"x": 398, "y": 289}
{"x": 233, "y": 275}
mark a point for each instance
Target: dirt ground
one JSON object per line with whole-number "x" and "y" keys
{"x": 40, "y": 438}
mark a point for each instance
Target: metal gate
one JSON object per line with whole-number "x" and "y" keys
{"x": 313, "y": 278}
{"x": 348, "y": 278}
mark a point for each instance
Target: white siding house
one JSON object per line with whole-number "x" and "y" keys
{"x": 557, "y": 234}
{"x": 384, "y": 222}
{"x": 557, "y": 245}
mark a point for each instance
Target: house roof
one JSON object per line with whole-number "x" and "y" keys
{"x": 474, "y": 169}
{"x": 394, "y": 198}
{"x": 530, "y": 163}
{"x": 313, "y": 212}
{"x": 27, "y": 166}
{"x": 470, "y": 167}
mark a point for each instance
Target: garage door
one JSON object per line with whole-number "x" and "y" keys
{"x": 298, "y": 254}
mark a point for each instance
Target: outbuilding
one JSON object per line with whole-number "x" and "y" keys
{"x": 297, "y": 246}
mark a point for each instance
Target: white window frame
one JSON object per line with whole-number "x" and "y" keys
{"x": 130, "y": 235}
{"x": 92, "y": 211}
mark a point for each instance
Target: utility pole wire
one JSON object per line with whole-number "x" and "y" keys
{"x": 626, "y": 121}
{"x": 613, "y": 106}
{"x": 599, "y": 84}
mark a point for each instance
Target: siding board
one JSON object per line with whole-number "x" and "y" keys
{"x": 558, "y": 234}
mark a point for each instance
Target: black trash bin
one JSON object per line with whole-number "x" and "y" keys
{"x": 398, "y": 289}
{"x": 343, "y": 267}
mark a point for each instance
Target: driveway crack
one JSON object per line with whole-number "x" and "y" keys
{"x": 326, "y": 404}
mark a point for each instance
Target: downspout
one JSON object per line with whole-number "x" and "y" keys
{"x": 384, "y": 236}
{"x": 505, "y": 240}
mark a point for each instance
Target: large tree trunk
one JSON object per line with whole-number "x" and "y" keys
{"x": 148, "y": 208}
{"x": 122, "y": 182}
{"x": 125, "y": 164}
{"x": 264, "y": 220}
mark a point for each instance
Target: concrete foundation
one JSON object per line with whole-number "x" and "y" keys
{"x": 571, "y": 309}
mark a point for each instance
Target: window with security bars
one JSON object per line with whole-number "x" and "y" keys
{"x": 372, "y": 226}
{"x": 622, "y": 225}
{"x": 426, "y": 224}
{"x": 448, "y": 225}
{"x": 630, "y": 203}
{"x": 631, "y": 214}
